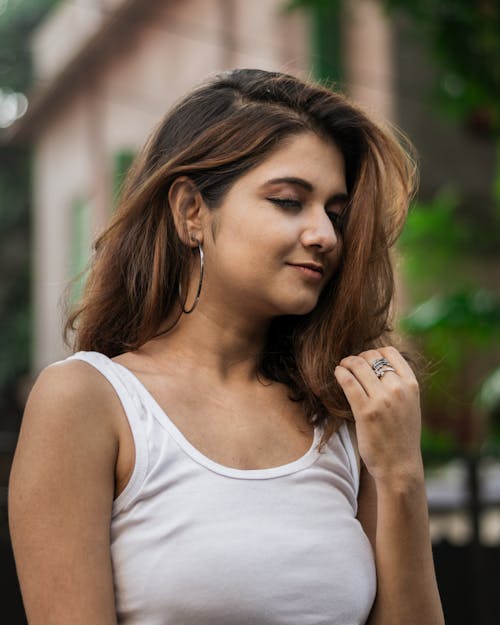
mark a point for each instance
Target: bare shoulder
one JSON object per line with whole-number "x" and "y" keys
{"x": 71, "y": 414}
{"x": 61, "y": 490}
{"x": 71, "y": 381}
{"x": 72, "y": 394}
{"x": 70, "y": 417}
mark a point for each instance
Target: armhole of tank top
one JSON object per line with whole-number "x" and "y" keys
{"x": 131, "y": 407}
{"x": 348, "y": 434}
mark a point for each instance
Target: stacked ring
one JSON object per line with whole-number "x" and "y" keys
{"x": 381, "y": 366}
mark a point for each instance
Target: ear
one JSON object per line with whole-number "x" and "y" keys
{"x": 187, "y": 206}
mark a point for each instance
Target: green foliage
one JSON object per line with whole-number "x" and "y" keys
{"x": 472, "y": 312}
{"x": 496, "y": 183}
{"x": 326, "y": 38}
{"x": 455, "y": 330}
{"x": 121, "y": 164}
{"x": 322, "y": 5}
{"x": 17, "y": 20}
{"x": 437, "y": 446}
{"x": 488, "y": 401}
{"x": 426, "y": 238}
{"x": 456, "y": 321}
{"x": 464, "y": 38}
{"x": 439, "y": 241}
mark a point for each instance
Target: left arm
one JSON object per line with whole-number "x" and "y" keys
{"x": 395, "y": 519}
{"x": 392, "y": 503}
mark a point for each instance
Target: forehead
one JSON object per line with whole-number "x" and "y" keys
{"x": 306, "y": 156}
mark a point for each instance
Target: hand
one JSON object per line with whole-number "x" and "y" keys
{"x": 386, "y": 411}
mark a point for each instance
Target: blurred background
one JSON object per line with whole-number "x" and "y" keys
{"x": 83, "y": 82}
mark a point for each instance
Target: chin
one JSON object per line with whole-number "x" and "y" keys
{"x": 300, "y": 308}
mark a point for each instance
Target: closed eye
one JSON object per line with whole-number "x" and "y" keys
{"x": 337, "y": 220}
{"x": 285, "y": 202}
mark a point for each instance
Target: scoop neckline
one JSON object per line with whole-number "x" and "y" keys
{"x": 303, "y": 462}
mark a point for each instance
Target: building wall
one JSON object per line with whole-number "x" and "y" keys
{"x": 368, "y": 53}
{"x": 63, "y": 167}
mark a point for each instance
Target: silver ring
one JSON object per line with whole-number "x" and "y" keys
{"x": 382, "y": 371}
{"x": 381, "y": 366}
{"x": 379, "y": 363}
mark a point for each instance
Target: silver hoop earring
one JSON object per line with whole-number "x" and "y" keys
{"x": 200, "y": 283}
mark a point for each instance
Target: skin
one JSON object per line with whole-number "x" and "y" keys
{"x": 75, "y": 452}
{"x": 392, "y": 498}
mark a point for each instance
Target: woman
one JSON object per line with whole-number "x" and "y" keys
{"x": 196, "y": 460}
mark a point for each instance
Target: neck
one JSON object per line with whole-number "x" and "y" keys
{"x": 222, "y": 347}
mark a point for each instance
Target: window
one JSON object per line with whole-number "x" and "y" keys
{"x": 122, "y": 161}
{"x": 80, "y": 245}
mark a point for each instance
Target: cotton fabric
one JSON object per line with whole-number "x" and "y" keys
{"x": 194, "y": 542}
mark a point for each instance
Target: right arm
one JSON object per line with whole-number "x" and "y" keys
{"x": 61, "y": 490}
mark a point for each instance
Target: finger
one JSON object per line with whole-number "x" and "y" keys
{"x": 359, "y": 369}
{"x": 398, "y": 362}
{"x": 353, "y": 390}
{"x": 372, "y": 355}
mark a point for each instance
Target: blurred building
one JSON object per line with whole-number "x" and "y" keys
{"x": 106, "y": 71}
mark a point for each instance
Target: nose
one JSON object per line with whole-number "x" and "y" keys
{"x": 319, "y": 232}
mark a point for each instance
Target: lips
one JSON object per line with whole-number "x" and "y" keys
{"x": 314, "y": 266}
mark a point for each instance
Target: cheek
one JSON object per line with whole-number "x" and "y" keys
{"x": 260, "y": 239}
{"x": 253, "y": 259}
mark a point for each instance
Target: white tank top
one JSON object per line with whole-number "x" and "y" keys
{"x": 194, "y": 542}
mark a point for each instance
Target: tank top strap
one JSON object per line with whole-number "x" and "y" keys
{"x": 135, "y": 414}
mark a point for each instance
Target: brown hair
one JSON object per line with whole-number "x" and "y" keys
{"x": 218, "y": 132}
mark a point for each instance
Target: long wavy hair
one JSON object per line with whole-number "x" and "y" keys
{"x": 214, "y": 135}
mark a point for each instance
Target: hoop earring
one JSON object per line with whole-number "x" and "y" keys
{"x": 200, "y": 283}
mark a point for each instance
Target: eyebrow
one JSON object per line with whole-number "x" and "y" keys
{"x": 300, "y": 182}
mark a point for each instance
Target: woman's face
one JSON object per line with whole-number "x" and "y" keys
{"x": 275, "y": 219}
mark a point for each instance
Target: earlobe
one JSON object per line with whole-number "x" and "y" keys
{"x": 186, "y": 204}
